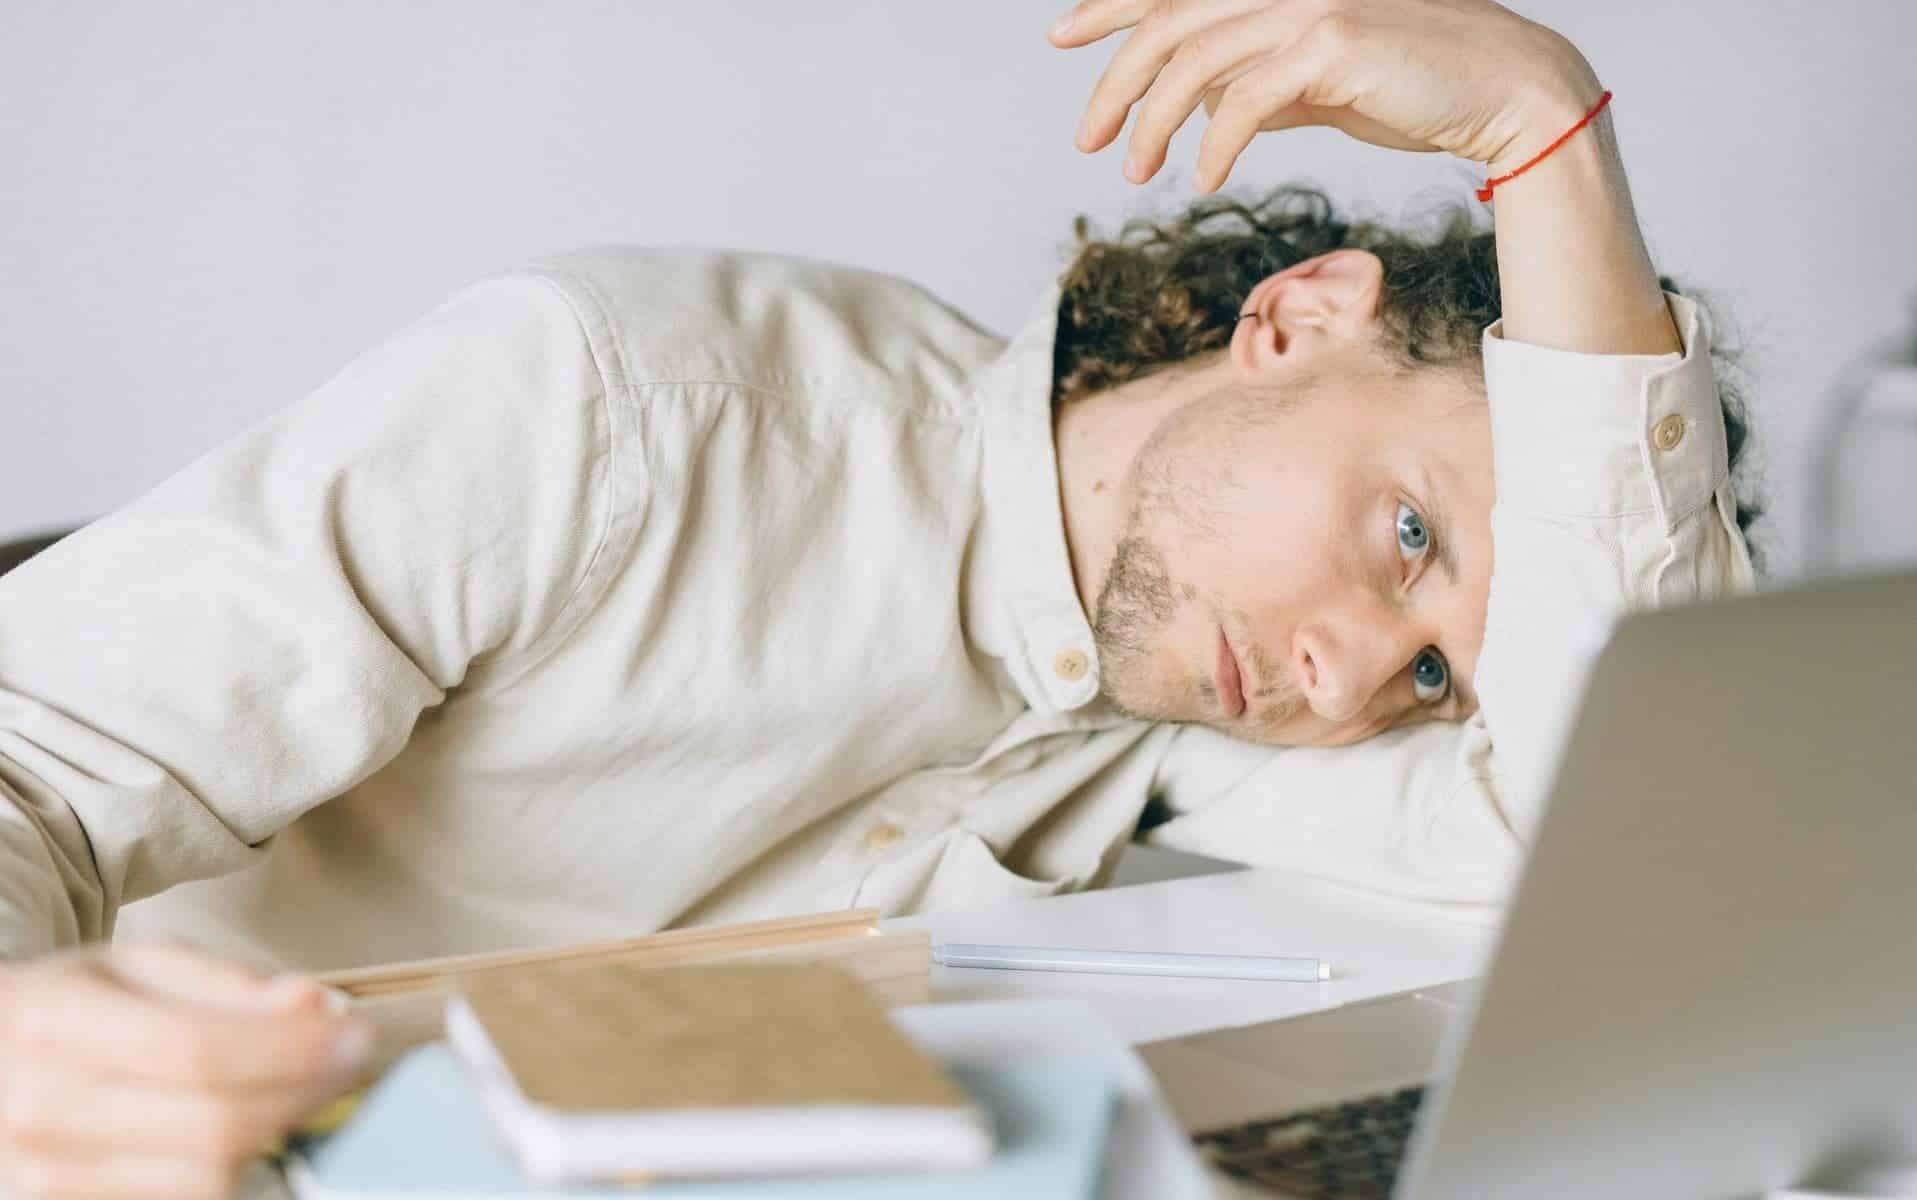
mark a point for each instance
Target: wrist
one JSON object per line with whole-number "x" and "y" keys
{"x": 1548, "y": 105}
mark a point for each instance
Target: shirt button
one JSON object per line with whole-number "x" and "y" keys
{"x": 882, "y": 835}
{"x": 1667, "y": 433}
{"x": 1071, "y": 665}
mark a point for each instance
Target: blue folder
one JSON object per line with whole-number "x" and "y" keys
{"x": 421, "y": 1132}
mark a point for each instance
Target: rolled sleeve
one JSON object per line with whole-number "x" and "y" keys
{"x": 1562, "y": 447}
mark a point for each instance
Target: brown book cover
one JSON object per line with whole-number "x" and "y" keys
{"x": 631, "y": 1038}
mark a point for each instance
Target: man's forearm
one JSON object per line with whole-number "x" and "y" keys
{"x": 1572, "y": 264}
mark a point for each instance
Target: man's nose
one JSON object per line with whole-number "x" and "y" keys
{"x": 1340, "y": 665}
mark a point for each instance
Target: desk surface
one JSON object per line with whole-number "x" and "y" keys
{"x": 1376, "y": 945}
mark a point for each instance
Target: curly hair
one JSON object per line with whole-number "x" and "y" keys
{"x": 1164, "y": 291}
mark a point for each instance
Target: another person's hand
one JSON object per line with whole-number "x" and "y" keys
{"x": 153, "y": 1070}
{"x": 1466, "y": 76}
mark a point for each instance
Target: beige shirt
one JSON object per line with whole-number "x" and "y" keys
{"x": 653, "y": 587}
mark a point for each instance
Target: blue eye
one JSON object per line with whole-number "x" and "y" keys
{"x": 1430, "y": 675}
{"x": 1413, "y": 538}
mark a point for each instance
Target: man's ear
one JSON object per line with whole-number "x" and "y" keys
{"x": 1332, "y": 296}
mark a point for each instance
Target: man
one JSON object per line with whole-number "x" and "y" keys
{"x": 645, "y": 588}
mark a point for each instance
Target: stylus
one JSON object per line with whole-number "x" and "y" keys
{"x": 1132, "y": 962}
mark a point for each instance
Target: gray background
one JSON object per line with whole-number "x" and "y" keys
{"x": 207, "y": 208}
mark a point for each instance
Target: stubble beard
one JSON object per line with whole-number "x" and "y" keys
{"x": 1135, "y": 604}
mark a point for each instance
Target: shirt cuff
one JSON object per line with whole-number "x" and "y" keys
{"x": 1606, "y": 435}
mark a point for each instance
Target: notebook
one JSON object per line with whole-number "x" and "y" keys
{"x": 422, "y": 1134}
{"x": 625, "y": 1070}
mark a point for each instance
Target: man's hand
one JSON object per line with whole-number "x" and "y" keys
{"x": 1465, "y": 76}
{"x": 152, "y": 1070}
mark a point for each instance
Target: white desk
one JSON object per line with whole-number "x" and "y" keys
{"x": 1376, "y": 945}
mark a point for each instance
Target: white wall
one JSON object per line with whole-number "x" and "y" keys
{"x": 206, "y": 208}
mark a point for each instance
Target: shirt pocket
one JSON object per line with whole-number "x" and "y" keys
{"x": 956, "y": 869}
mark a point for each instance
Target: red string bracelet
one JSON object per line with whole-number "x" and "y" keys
{"x": 1484, "y": 193}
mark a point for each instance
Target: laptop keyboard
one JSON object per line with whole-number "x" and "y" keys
{"x": 1346, "y": 1151}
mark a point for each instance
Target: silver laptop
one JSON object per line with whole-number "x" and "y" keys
{"x": 1706, "y": 983}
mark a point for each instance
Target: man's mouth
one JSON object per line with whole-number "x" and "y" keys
{"x": 1231, "y": 685}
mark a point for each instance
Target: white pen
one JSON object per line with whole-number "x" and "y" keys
{"x": 1132, "y": 962}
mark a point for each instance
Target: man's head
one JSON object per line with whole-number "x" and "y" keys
{"x": 1290, "y": 410}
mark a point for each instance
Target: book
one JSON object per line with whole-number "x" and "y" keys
{"x": 422, "y": 1134}
{"x": 625, "y": 1070}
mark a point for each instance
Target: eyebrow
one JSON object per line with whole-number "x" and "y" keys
{"x": 1440, "y": 521}
{"x": 1463, "y": 695}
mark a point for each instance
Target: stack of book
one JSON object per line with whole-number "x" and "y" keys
{"x": 581, "y": 1071}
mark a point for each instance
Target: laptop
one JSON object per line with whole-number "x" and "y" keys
{"x": 1706, "y": 981}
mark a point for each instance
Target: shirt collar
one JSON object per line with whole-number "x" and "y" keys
{"x": 1021, "y": 601}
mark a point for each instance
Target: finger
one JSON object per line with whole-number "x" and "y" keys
{"x": 61, "y": 1112}
{"x": 180, "y": 972}
{"x": 1087, "y": 22}
{"x": 1266, "y": 95}
{"x": 121, "y": 1177}
{"x": 1136, "y": 64}
{"x": 88, "y": 1019}
{"x": 1204, "y": 62}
